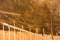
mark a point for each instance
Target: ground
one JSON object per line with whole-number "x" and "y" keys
{"x": 27, "y": 36}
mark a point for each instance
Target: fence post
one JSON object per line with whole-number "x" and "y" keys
{"x": 43, "y": 31}
{"x": 14, "y": 32}
{"x": 9, "y": 33}
{"x": 36, "y": 32}
{"x": 30, "y": 33}
{"x": 22, "y": 33}
{"x": 57, "y": 36}
{"x": 3, "y": 33}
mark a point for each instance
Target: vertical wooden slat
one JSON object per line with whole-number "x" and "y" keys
{"x": 36, "y": 33}
{"x": 3, "y": 33}
{"x": 9, "y": 33}
{"x": 14, "y": 34}
{"x": 30, "y": 35}
{"x": 57, "y": 36}
{"x": 23, "y": 33}
{"x": 20, "y": 34}
{"x": 43, "y": 31}
{"x": 14, "y": 31}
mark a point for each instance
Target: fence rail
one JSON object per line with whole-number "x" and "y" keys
{"x": 22, "y": 35}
